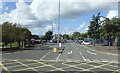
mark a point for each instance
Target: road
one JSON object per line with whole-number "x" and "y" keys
{"x": 72, "y": 54}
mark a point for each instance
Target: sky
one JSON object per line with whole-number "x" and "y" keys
{"x": 39, "y": 16}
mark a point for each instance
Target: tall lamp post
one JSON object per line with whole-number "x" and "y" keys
{"x": 58, "y": 24}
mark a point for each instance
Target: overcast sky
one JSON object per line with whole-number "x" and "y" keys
{"x": 40, "y": 15}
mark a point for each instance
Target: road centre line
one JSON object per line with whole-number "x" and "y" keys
{"x": 45, "y": 55}
{"x": 91, "y": 52}
{"x": 48, "y": 52}
{"x": 58, "y": 56}
{"x": 82, "y": 56}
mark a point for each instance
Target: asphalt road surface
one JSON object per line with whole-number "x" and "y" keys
{"x": 74, "y": 57}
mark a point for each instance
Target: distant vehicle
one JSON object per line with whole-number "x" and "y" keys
{"x": 53, "y": 41}
{"x": 44, "y": 41}
{"x": 78, "y": 41}
{"x": 37, "y": 41}
{"x": 85, "y": 43}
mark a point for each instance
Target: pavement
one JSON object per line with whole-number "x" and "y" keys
{"x": 98, "y": 47}
{"x": 74, "y": 57}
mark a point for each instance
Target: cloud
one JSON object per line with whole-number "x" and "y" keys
{"x": 46, "y": 10}
{"x": 41, "y": 13}
{"x": 82, "y": 28}
{"x": 112, "y": 13}
{"x": 0, "y": 5}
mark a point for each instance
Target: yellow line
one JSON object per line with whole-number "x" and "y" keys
{"x": 5, "y": 68}
{"x": 49, "y": 65}
{"x": 21, "y": 65}
{"x": 100, "y": 66}
{"x": 74, "y": 66}
{"x": 25, "y": 66}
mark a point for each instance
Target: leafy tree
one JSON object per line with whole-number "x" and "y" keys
{"x": 48, "y": 35}
{"x": 111, "y": 28}
{"x": 66, "y": 36}
{"x": 76, "y": 35}
{"x": 35, "y": 36}
{"x": 12, "y": 33}
{"x": 94, "y": 28}
{"x": 84, "y": 35}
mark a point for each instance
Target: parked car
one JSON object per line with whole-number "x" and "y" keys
{"x": 85, "y": 42}
{"x": 78, "y": 41}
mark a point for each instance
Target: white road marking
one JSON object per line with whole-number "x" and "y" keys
{"x": 48, "y": 53}
{"x": 5, "y": 68}
{"x": 58, "y": 56}
{"x": 82, "y": 56}
{"x": 45, "y": 55}
{"x": 70, "y": 52}
{"x": 99, "y": 51}
{"x": 91, "y": 52}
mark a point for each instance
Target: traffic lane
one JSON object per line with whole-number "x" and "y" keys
{"x": 28, "y": 54}
{"x": 70, "y": 53}
{"x": 83, "y": 52}
{"x": 93, "y": 55}
{"x": 102, "y": 56}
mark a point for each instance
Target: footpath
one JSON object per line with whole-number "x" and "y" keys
{"x": 107, "y": 49}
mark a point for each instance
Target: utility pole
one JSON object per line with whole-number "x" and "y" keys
{"x": 58, "y": 24}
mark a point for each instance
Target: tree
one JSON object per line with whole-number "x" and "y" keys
{"x": 111, "y": 28}
{"x": 48, "y": 35}
{"x": 35, "y": 36}
{"x": 65, "y": 36}
{"x": 12, "y": 33}
{"x": 6, "y": 31}
{"x": 94, "y": 28}
{"x": 84, "y": 35}
{"x": 76, "y": 35}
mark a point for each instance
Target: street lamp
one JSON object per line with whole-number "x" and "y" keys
{"x": 58, "y": 24}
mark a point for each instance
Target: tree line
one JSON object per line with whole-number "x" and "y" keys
{"x": 13, "y": 32}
